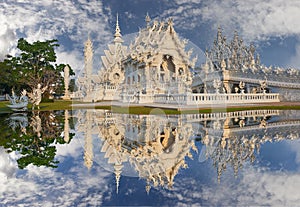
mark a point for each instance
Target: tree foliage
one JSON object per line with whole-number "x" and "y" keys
{"x": 36, "y": 63}
{"x": 37, "y": 148}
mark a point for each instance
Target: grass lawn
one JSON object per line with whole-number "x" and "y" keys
{"x": 3, "y": 107}
{"x": 48, "y": 106}
{"x": 67, "y": 105}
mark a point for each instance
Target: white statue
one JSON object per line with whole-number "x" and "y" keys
{"x": 13, "y": 97}
{"x": 236, "y": 89}
{"x": 263, "y": 85}
{"x": 36, "y": 96}
{"x": 18, "y": 103}
{"x": 242, "y": 86}
{"x": 36, "y": 124}
{"x": 18, "y": 120}
{"x": 217, "y": 84}
{"x": 24, "y": 97}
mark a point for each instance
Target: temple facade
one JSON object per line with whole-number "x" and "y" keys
{"x": 232, "y": 67}
{"x": 156, "y": 68}
{"x": 157, "y": 64}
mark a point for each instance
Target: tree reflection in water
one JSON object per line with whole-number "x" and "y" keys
{"x": 33, "y": 137}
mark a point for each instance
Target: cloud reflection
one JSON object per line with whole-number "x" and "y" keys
{"x": 75, "y": 184}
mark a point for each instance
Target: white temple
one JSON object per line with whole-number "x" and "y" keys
{"x": 156, "y": 69}
{"x": 157, "y": 64}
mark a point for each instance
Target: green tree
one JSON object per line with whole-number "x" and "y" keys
{"x": 33, "y": 65}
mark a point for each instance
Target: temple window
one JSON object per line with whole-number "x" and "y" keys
{"x": 180, "y": 71}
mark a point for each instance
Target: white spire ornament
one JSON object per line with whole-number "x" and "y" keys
{"x": 118, "y": 36}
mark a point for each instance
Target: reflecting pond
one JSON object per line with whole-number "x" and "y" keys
{"x": 100, "y": 158}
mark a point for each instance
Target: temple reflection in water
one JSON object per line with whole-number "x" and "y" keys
{"x": 157, "y": 146}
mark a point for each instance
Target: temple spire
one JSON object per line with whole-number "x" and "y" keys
{"x": 118, "y": 36}
{"x": 148, "y": 20}
{"x": 148, "y": 187}
{"x": 118, "y": 171}
{"x": 88, "y": 61}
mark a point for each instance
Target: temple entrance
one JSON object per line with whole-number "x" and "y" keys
{"x": 167, "y": 65}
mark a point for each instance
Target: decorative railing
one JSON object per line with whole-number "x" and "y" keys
{"x": 232, "y": 98}
{"x": 136, "y": 98}
{"x": 234, "y": 114}
{"x": 171, "y": 99}
{"x": 273, "y": 79}
{"x": 216, "y": 99}
{"x": 280, "y": 79}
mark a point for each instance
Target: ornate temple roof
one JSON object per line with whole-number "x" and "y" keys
{"x": 159, "y": 37}
{"x": 111, "y": 61}
{"x": 232, "y": 54}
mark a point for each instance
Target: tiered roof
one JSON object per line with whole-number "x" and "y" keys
{"x": 154, "y": 39}
{"x": 111, "y": 62}
{"x": 232, "y": 55}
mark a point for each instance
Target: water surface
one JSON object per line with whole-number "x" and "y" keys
{"x": 99, "y": 158}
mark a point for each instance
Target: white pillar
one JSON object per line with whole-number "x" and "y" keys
{"x": 66, "y": 80}
{"x": 66, "y": 127}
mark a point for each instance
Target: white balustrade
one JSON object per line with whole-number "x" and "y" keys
{"x": 235, "y": 114}
{"x": 203, "y": 99}
{"x": 171, "y": 99}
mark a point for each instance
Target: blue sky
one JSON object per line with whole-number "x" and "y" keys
{"x": 272, "y": 25}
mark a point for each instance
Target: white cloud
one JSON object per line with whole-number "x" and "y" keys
{"x": 295, "y": 59}
{"x": 255, "y": 19}
{"x": 257, "y": 187}
{"x": 70, "y": 149}
{"x": 295, "y": 147}
{"x": 7, "y": 166}
{"x": 74, "y": 58}
{"x": 72, "y": 185}
{"x": 41, "y": 20}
